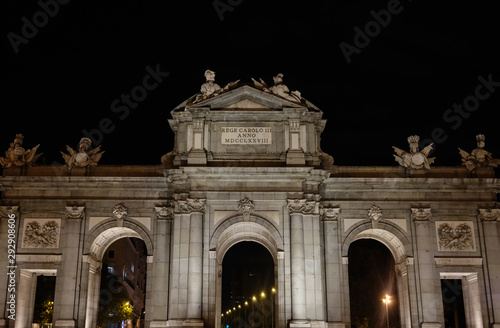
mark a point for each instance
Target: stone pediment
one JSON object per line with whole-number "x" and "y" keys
{"x": 244, "y": 98}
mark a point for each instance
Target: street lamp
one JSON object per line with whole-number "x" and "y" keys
{"x": 262, "y": 296}
{"x": 273, "y": 291}
{"x": 386, "y": 301}
{"x": 246, "y": 318}
{"x": 254, "y": 299}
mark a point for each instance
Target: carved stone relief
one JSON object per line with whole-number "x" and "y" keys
{"x": 41, "y": 233}
{"x": 455, "y": 236}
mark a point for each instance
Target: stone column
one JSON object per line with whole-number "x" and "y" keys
{"x": 196, "y": 208}
{"x": 25, "y": 298}
{"x": 158, "y": 282}
{"x": 296, "y": 208}
{"x": 9, "y": 230}
{"x": 93, "y": 277}
{"x": 333, "y": 267}
{"x": 429, "y": 279}
{"x": 67, "y": 283}
{"x": 491, "y": 231}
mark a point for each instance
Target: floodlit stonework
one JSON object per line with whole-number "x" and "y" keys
{"x": 247, "y": 166}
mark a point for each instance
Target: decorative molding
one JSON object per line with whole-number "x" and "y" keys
{"x": 74, "y": 212}
{"x": 489, "y": 214}
{"x": 280, "y": 255}
{"x": 38, "y": 258}
{"x": 375, "y": 213}
{"x": 212, "y": 254}
{"x": 420, "y": 213}
{"x": 458, "y": 261}
{"x": 190, "y": 205}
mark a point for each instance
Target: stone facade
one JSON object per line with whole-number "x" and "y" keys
{"x": 247, "y": 166}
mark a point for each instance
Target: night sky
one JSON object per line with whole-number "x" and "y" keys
{"x": 380, "y": 71}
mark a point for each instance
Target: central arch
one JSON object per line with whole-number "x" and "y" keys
{"x": 254, "y": 228}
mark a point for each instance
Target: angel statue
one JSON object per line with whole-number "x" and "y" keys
{"x": 478, "y": 157}
{"x": 83, "y": 157}
{"x": 415, "y": 159}
{"x": 18, "y": 156}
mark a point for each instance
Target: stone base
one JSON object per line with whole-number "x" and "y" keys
{"x": 295, "y": 157}
{"x": 158, "y": 324}
{"x": 299, "y": 324}
{"x": 192, "y": 323}
{"x": 430, "y": 325}
{"x": 197, "y": 157}
{"x": 65, "y": 324}
{"x": 336, "y": 325}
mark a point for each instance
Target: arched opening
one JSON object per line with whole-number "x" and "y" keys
{"x": 372, "y": 276}
{"x": 248, "y": 281}
{"x": 123, "y": 284}
{"x": 98, "y": 245}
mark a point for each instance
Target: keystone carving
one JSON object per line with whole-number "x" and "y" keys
{"x": 374, "y": 213}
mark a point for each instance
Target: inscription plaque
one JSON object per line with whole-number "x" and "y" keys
{"x": 246, "y": 135}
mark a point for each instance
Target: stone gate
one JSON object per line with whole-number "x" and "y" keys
{"x": 247, "y": 165}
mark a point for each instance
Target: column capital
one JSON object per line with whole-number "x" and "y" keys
{"x": 8, "y": 211}
{"x": 303, "y": 206}
{"x": 421, "y": 213}
{"x": 190, "y": 205}
{"x": 489, "y": 214}
{"x": 74, "y": 212}
{"x": 330, "y": 213}
{"x": 164, "y": 212}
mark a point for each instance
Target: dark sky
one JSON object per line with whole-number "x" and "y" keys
{"x": 66, "y": 75}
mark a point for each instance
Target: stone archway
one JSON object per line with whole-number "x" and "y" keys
{"x": 237, "y": 229}
{"x": 96, "y": 244}
{"x": 398, "y": 245}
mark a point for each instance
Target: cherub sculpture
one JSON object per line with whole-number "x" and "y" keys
{"x": 83, "y": 157}
{"x": 16, "y": 155}
{"x": 415, "y": 159}
{"x": 278, "y": 88}
{"x": 478, "y": 157}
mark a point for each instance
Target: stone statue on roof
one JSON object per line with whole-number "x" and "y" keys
{"x": 478, "y": 157}
{"x": 415, "y": 159}
{"x": 83, "y": 157}
{"x": 279, "y": 88}
{"x": 16, "y": 155}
